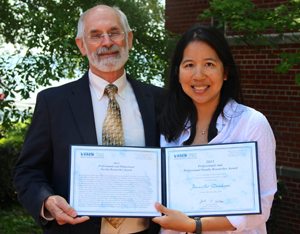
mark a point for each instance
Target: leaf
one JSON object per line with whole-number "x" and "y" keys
{"x": 297, "y": 79}
{"x": 283, "y": 55}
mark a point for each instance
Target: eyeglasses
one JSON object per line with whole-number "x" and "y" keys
{"x": 97, "y": 38}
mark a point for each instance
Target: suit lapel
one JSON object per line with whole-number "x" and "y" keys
{"x": 145, "y": 101}
{"x": 81, "y": 105}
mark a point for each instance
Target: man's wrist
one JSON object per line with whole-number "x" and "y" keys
{"x": 44, "y": 213}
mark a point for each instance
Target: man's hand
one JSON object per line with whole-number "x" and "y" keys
{"x": 62, "y": 211}
{"x": 174, "y": 220}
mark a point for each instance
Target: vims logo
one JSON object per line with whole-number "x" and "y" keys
{"x": 87, "y": 154}
{"x": 180, "y": 155}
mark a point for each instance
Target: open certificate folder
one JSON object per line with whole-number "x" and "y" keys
{"x": 207, "y": 180}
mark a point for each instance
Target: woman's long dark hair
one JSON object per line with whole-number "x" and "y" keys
{"x": 179, "y": 107}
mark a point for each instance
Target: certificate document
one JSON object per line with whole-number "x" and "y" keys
{"x": 207, "y": 180}
{"x": 115, "y": 181}
{"x": 210, "y": 180}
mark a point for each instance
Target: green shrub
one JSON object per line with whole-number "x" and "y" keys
{"x": 272, "y": 224}
{"x": 10, "y": 148}
{"x": 15, "y": 219}
{"x": 8, "y": 156}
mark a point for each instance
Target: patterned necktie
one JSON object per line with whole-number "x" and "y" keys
{"x": 112, "y": 132}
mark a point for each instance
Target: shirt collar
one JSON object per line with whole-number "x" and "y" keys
{"x": 98, "y": 84}
{"x": 229, "y": 110}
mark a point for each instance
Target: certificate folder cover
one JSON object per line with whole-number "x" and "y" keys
{"x": 207, "y": 180}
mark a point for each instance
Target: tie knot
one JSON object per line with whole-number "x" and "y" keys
{"x": 110, "y": 89}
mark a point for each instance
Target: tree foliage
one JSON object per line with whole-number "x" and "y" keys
{"x": 44, "y": 31}
{"x": 259, "y": 27}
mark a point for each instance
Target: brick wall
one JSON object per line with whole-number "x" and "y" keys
{"x": 289, "y": 215}
{"x": 274, "y": 94}
{"x": 277, "y": 96}
{"x": 181, "y": 14}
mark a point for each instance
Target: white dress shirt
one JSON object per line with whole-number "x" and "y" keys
{"x": 245, "y": 124}
{"x": 133, "y": 130}
{"x": 132, "y": 122}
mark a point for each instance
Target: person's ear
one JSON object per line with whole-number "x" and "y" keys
{"x": 226, "y": 72}
{"x": 130, "y": 39}
{"x": 225, "y": 75}
{"x": 81, "y": 46}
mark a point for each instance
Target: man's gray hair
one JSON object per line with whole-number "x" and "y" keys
{"x": 123, "y": 18}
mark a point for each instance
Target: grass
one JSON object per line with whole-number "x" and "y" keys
{"x": 14, "y": 219}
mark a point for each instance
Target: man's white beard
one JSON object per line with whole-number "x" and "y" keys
{"x": 111, "y": 63}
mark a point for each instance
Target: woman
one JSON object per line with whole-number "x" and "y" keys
{"x": 204, "y": 107}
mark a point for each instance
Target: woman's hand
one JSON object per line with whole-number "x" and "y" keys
{"x": 174, "y": 220}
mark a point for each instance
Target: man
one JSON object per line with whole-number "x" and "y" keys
{"x": 74, "y": 114}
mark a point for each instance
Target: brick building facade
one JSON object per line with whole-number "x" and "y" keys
{"x": 274, "y": 94}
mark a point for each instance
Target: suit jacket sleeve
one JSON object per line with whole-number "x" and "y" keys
{"x": 32, "y": 172}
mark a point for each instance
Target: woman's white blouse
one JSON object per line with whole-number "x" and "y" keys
{"x": 242, "y": 123}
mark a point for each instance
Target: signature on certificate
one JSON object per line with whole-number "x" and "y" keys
{"x": 212, "y": 186}
{"x": 210, "y": 201}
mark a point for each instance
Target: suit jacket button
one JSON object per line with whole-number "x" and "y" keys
{"x": 97, "y": 225}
